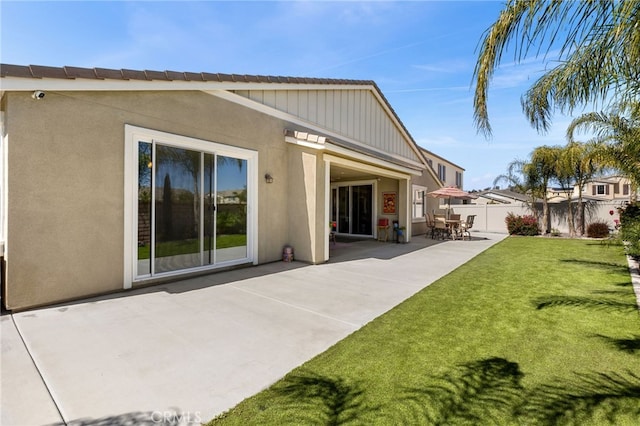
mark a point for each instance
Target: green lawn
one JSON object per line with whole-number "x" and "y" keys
{"x": 532, "y": 331}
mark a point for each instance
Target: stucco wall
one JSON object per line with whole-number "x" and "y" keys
{"x": 308, "y": 223}
{"x": 418, "y": 226}
{"x": 303, "y": 167}
{"x": 66, "y": 179}
{"x": 386, "y": 185}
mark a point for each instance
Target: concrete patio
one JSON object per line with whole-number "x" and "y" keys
{"x": 184, "y": 352}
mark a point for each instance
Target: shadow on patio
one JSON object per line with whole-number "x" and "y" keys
{"x": 347, "y": 249}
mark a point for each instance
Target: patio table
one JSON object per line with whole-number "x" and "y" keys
{"x": 453, "y": 226}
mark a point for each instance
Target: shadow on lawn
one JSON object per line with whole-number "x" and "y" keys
{"x": 631, "y": 345}
{"x": 585, "y": 303}
{"x": 476, "y": 392}
{"x": 601, "y": 265}
{"x": 487, "y": 391}
{"x": 490, "y": 392}
{"x": 606, "y": 398}
{"x": 329, "y": 401}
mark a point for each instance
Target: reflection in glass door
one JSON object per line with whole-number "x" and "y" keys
{"x": 343, "y": 210}
{"x": 352, "y": 209}
{"x": 192, "y": 209}
{"x": 361, "y": 210}
{"x": 177, "y": 209}
{"x": 231, "y": 222}
{"x": 209, "y": 208}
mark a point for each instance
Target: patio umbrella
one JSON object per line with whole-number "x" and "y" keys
{"x": 450, "y": 192}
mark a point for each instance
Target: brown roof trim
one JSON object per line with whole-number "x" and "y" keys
{"x": 75, "y": 72}
{"x": 38, "y": 71}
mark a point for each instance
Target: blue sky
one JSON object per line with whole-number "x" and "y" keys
{"x": 420, "y": 53}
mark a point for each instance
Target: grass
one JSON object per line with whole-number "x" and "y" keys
{"x": 532, "y": 331}
{"x": 172, "y": 248}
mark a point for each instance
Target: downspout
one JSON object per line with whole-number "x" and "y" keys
{"x": 3, "y": 180}
{"x": 4, "y": 162}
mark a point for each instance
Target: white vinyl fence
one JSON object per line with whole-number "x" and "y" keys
{"x": 491, "y": 217}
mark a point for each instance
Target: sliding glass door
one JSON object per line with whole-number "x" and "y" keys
{"x": 178, "y": 183}
{"x": 231, "y": 213}
{"x": 352, "y": 208}
{"x": 192, "y": 208}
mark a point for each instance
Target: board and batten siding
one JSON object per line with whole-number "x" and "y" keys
{"x": 356, "y": 114}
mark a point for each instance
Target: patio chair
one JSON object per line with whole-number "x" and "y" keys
{"x": 431, "y": 225}
{"x": 454, "y": 228}
{"x": 383, "y": 227}
{"x": 441, "y": 228}
{"x": 467, "y": 225}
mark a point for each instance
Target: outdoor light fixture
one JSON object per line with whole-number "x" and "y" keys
{"x": 268, "y": 178}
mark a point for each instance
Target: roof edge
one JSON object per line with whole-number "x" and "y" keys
{"x": 72, "y": 73}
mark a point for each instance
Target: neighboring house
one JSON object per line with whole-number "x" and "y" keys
{"x": 614, "y": 188}
{"x": 500, "y": 196}
{"x": 448, "y": 173}
{"x": 440, "y": 172}
{"x": 115, "y": 179}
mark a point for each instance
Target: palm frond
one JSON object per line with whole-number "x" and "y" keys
{"x": 599, "y": 54}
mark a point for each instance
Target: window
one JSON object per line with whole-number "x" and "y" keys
{"x": 419, "y": 208}
{"x": 442, "y": 172}
{"x": 625, "y": 189}
{"x": 600, "y": 189}
{"x": 189, "y": 206}
{"x": 459, "y": 180}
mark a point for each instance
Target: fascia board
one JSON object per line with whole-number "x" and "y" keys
{"x": 80, "y": 85}
{"x": 380, "y": 167}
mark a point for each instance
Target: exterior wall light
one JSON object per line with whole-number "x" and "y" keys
{"x": 268, "y": 178}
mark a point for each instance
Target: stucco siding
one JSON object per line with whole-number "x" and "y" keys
{"x": 306, "y": 187}
{"x": 66, "y": 182}
{"x": 418, "y": 226}
{"x": 64, "y": 200}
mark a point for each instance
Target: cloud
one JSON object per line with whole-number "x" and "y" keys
{"x": 374, "y": 54}
{"x": 449, "y": 67}
{"x": 439, "y": 141}
{"x": 506, "y": 78}
{"x": 429, "y": 89}
{"x": 514, "y": 74}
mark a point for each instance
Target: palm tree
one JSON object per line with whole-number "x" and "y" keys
{"x": 598, "y": 59}
{"x": 524, "y": 177}
{"x": 542, "y": 169}
{"x": 617, "y": 139}
{"x": 514, "y": 178}
{"x": 576, "y": 165}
